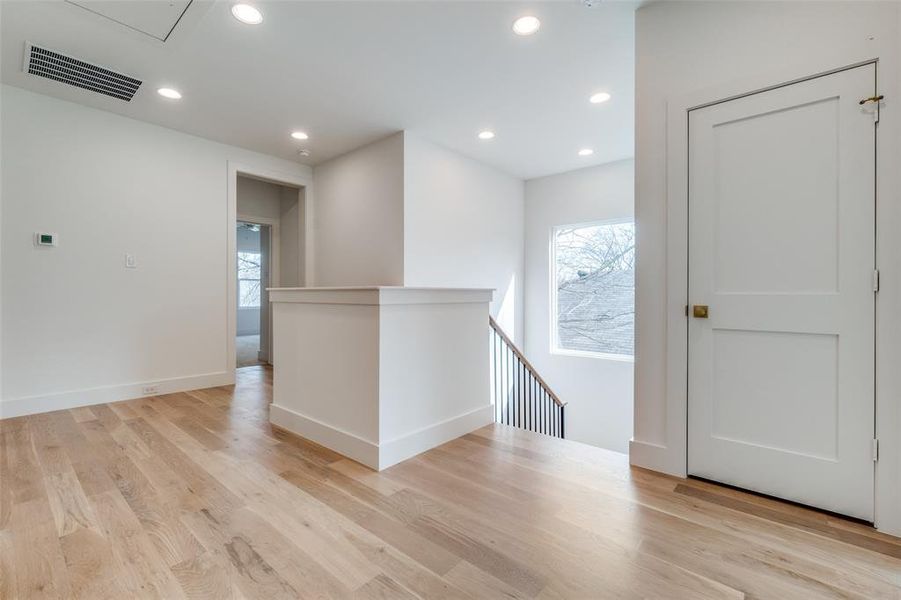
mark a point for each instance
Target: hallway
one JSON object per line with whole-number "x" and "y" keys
{"x": 247, "y": 348}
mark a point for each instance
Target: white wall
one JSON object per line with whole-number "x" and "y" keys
{"x": 693, "y": 49}
{"x": 359, "y": 217}
{"x": 463, "y": 227}
{"x": 79, "y": 328}
{"x": 291, "y": 237}
{"x": 256, "y": 198}
{"x": 599, "y": 391}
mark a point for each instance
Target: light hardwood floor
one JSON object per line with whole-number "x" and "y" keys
{"x": 197, "y": 495}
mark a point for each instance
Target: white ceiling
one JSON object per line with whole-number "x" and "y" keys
{"x": 349, "y": 73}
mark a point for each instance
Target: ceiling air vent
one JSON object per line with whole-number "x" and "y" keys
{"x": 59, "y": 67}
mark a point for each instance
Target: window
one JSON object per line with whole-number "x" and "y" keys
{"x": 249, "y": 279}
{"x": 593, "y": 284}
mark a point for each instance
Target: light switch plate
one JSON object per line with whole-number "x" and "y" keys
{"x": 131, "y": 261}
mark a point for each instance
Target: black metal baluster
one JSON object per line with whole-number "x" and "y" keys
{"x": 531, "y": 401}
{"x": 558, "y": 421}
{"x": 553, "y": 414}
{"x": 555, "y": 420}
{"x": 525, "y": 403}
{"x": 522, "y": 399}
{"x": 512, "y": 371}
{"x": 544, "y": 419}
{"x": 550, "y": 414}
{"x": 534, "y": 404}
{"x": 497, "y": 396}
{"x": 522, "y": 396}
{"x": 562, "y": 423}
{"x": 543, "y": 411}
{"x": 547, "y": 415}
{"x": 506, "y": 368}
{"x": 515, "y": 394}
{"x": 504, "y": 384}
{"x": 522, "y": 402}
{"x": 528, "y": 375}
{"x": 497, "y": 382}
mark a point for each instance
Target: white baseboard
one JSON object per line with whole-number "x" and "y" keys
{"x": 656, "y": 458}
{"x": 342, "y": 442}
{"x": 17, "y": 407}
{"x": 380, "y": 456}
{"x": 411, "y": 444}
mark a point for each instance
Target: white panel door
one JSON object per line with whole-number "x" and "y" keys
{"x": 782, "y": 250}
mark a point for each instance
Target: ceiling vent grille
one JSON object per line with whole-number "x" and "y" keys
{"x": 59, "y": 67}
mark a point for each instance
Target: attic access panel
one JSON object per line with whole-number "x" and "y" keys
{"x": 156, "y": 19}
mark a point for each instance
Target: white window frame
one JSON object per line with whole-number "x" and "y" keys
{"x": 240, "y": 279}
{"x": 555, "y": 348}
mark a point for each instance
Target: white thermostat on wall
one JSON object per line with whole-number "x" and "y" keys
{"x": 45, "y": 239}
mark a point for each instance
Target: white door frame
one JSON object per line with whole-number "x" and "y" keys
{"x": 671, "y": 456}
{"x": 304, "y": 197}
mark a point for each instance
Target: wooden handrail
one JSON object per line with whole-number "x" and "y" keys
{"x": 525, "y": 361}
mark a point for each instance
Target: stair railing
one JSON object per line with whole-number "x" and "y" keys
{"x": 521, "y": 397}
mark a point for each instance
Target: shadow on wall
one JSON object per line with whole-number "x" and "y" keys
{"x": 506, "y": 313}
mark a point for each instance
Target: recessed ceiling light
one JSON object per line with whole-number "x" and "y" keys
{"x": 599, "y": 97}
{"x": 300, "y": 135}
{"x": 486, "y": 135}
{"x": 169, "y": 93}
{"x": 586, "y": 152}
{"x": 247, "y": 14}
{"x": 526, "y": 25}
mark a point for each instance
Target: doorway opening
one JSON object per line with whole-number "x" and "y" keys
{"x": 254, "y": 259}
{"x": 269, "y": 243}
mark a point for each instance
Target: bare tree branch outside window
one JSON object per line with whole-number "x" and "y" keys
{"x": 249, "y": 277}
{"x": 595, "y": 279}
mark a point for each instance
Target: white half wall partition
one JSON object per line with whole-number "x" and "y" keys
{"x": 380, "y": 374}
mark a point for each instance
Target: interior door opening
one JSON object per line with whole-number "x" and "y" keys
{"x": 254, "y": 258}
{"x": 269, "y": 243}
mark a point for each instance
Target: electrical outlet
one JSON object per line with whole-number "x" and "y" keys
{"x": 150, "y": 390}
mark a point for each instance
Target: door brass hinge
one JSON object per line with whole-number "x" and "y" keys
{"x": 875, "y": 450}
{"x": 876, "y": 280}
{"x": 877, "y": 100}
